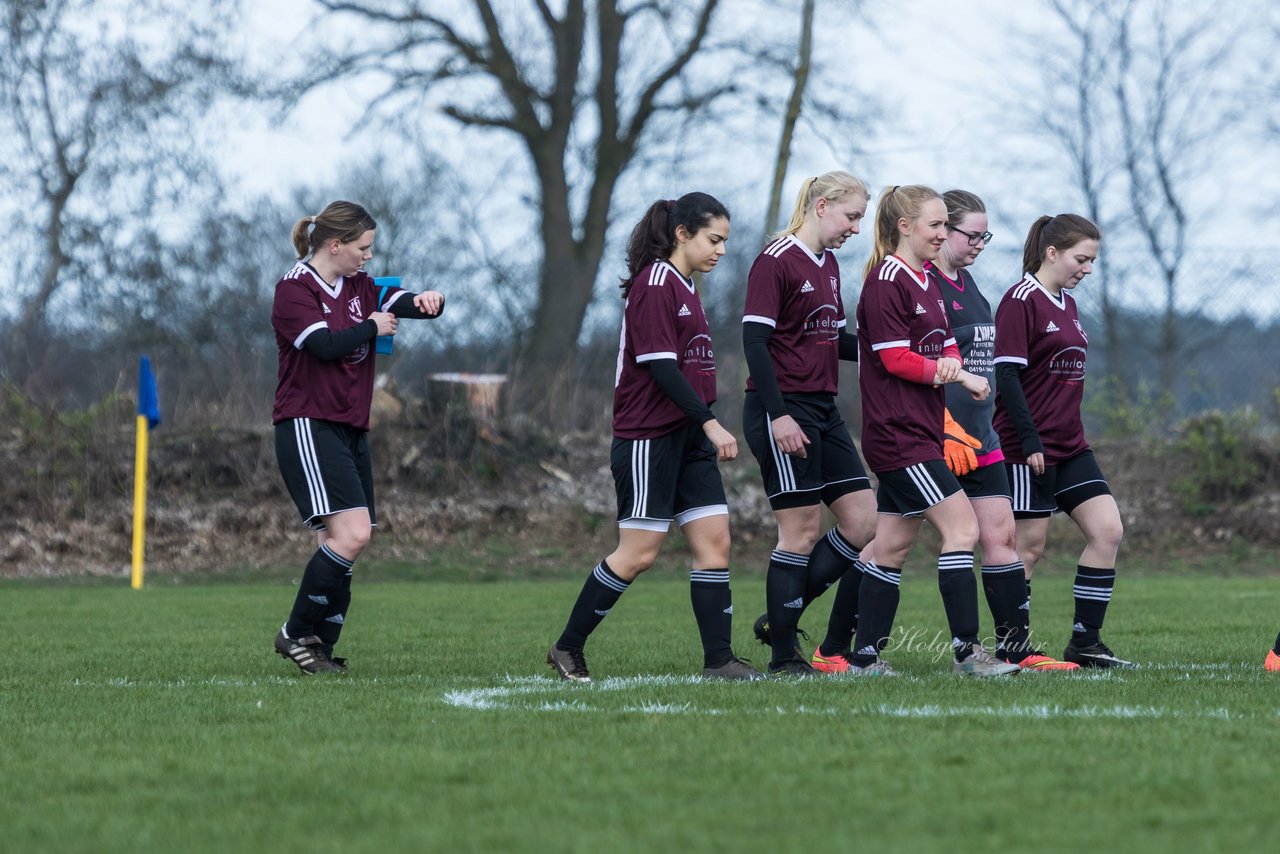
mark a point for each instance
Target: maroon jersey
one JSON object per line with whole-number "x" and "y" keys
{"x": 798, "y": 294}
{"x": 309, "y": 387}
{"x": 901, "y": 420}
{"x": 663, "y": 319}
{"x": 1042, "y": 334}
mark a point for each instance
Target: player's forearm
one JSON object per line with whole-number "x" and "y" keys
{"x": 328, "y": 345}
{"x": 1014, "y": 400}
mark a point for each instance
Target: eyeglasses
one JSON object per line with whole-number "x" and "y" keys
{"x": 974, "y": 239}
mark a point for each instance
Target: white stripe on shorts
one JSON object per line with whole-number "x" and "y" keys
{"x": 1020, "y": 486}
{"x": 781, "y": 461}
{"x": 311, "y": 466}
{"x": 924, "y": 482}
{"x": 640, "y": 477}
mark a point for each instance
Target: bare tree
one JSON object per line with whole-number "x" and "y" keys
{"x": 800, "y": 79}
{"x": 1172, "y": 104}
{"x": 96, "y": 112}
{"x": 588, "y": 78}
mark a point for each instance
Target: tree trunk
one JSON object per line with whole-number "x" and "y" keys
{"x": 794, "y": 105}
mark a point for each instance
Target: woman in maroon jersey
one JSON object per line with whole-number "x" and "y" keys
{"x": 907, "y": 353}
{"x": 794, "y": 335}
{"x": 325, "y": 315}
{"x": 969, "y": 429}
{"x": 1040, "y": 369}
{"x": 666, "y": 441}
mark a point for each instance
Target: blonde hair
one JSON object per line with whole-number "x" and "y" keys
{"x": 832, "y": 186}
{"x": 344, "y": 220}
{"x": 895, "y": 203}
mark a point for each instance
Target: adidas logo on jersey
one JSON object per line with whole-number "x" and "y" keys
{"x": 794, "y": 603}
{"x": 806, "y": 288}
{"x": 1052, "y": 327}
{"x": 326, "y": 308}
{"x": 684, "y": 311}
{"x": 920, "y": 309}
{"x": 956, "y": 306}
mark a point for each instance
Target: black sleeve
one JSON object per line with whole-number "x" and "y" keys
{"x": 666, "y": 373}
{"x": 848, "y": 345}
{"x": 1009, "y": 387}
{"x": 755, "y": 345}
{"x": 404, "y": 307}
{"x": 327, "y": 345}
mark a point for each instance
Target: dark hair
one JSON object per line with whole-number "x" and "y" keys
{"x": 959, "y": 203}
{"x": 654, "y": 237}
{"x": 344, "y": 220}
{"x": 1062, "y": 231}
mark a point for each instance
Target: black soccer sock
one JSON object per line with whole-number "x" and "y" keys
{"x": 960, "y": 600}
{"x": 1005, "y": 586}
{"x": 335, "y": 617}
{"x": 844, "y": 613}
{"x": 1276, "y": 648}
{"x": 713, "y": 609}
{"x": 830, "y": 559}
{"x": 1092, "y": 592}
{"x": 321, "y": 583}
{"x": 784, "y": 600}
{"x": 598, "y": 596}
{"x": 877, "y": 608}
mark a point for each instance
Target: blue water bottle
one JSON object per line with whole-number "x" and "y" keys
{"x": 384, "y": 343}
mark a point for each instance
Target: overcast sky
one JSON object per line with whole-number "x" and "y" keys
{"x": 944, "y": 68}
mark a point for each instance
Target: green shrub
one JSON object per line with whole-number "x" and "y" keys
{"x": 1220, "y": 457}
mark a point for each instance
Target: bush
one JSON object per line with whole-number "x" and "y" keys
{"x": 1221, "y": 458}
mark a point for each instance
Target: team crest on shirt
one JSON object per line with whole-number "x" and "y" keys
{"x": 835, "y": 285}
{"x": 357, "y": 311}
{"x": 1080, "y": 329}
{"x": 942, "y": 306}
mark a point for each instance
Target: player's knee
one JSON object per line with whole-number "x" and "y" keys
{"x": 963, "y": 536}
{"x": 1109, "y": 535}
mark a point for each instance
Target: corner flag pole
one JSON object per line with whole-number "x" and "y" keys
{"x": 148, "y": 417}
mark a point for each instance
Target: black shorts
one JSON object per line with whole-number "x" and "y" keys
{"x": 326, "y": 467}
{"x": 991, "y": 481}
{"x": 831, "y": 468}
{"x": 1062, "y": 488}
{"x": 670, "y": 477}
{"x": 911, "y": 491}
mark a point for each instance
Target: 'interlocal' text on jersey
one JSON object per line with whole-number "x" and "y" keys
{"x": 663, "y": 319}
{"x": 340, "y": 390}
{"x": 901, "y": 420}
{"x": 798, "y": 294}
{"x": 1042, "y": 334}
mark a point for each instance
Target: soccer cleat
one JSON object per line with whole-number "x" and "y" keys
{"x": 569, "y": 663}
{"x": 308, "y": 653}
{"x": 792, "y": 668}
{"x": 836, "y": 662}
{"x": 1272, "y": 664}
{"x": 733, "y": 670}
{"x": 1095, "y": 654}
{"x": 879, "y": 667}
{"x": 761, "y": 629}
{"x": 1037, "y": 660}
{"x": 980, "y": 662}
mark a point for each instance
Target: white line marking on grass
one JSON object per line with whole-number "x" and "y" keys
{"x": 529, "y": 694}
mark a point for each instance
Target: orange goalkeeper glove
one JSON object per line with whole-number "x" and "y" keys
{"x": 958, "y": 446}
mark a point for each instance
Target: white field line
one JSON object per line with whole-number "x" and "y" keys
{"x": 542, "y": 694}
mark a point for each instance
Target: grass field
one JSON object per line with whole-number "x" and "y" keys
{"x": 160, "y": 720}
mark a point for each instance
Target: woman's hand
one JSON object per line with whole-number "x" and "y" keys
{"x": 726, "y": 444}
{"x": 977, "y": 386}
{"x": 788, "y": 436}
{"x": 386, "y": 322}
{"x": 949, "y": 370}
{"x": 430, "y": 303}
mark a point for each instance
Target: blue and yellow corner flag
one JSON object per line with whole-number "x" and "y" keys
{"x": 148, "y": 397}
{"x": 148, "y": 417}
